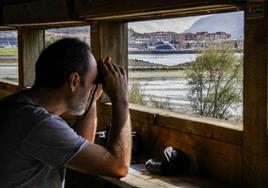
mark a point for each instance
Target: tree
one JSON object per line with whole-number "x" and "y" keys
{"x": 215, "y": 82}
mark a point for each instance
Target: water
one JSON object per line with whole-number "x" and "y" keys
{"x": 165, "y": 59}
{"x": 168, "y": 59}
{"x": 9, "y": 73}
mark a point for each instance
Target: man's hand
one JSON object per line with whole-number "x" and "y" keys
{"x": 115, "y": 81}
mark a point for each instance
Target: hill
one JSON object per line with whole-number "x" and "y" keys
{"x": 232, "y": 23}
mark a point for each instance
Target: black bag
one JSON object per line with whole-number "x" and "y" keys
{"x": 174, "y": 162}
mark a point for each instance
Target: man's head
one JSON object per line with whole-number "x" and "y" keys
{"x": 69, "y": 64}
{"x": 59, "y": 60}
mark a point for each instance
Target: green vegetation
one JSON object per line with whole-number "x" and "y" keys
{"x": 215, "y": 83}
{"x": 9, "y": 51}
{"x": 51, "y": 39}
{"x": 134, "y": 95}
{"x": 161, "y": 104}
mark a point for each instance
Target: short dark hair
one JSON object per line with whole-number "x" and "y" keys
{"x": 59, "y": 60}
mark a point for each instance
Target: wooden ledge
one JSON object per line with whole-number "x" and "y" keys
{"x": 8, "y": 85}
{"x": 138, "y": 177}
{"x": 205, "y": 120}
{"x": 201, "y": 126}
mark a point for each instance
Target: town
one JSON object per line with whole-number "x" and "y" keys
{"x": 186, "y": 42}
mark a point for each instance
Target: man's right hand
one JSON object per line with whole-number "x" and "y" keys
{"x": 115, "y": 81}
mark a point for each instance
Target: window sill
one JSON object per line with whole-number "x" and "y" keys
{"x": 205, "y": 120}
{"x": 138, "y": 177}
{"x": 8, "y": 85}
{"x": 204, "y": 127}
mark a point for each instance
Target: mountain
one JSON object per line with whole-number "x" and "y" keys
{"x": 232, "y": 23}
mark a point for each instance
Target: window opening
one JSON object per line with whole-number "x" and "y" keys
{"x": 9, "y": 57}
{"x": 80, "y": 32}
{"x": 190, "y": 65}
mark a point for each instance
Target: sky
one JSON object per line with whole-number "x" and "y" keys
{"x": 164, "y": 24}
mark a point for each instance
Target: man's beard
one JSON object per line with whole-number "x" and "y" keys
{"x": 77, "y": 106}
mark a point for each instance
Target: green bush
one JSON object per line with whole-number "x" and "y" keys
{"x": 135, "y": 95}
{"x": 161, "y": 104}
{"x": 215, "y": 83}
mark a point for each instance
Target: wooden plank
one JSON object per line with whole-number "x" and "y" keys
{"x": 255, "y": 142}
{"x": 138, "y": 177}
{"x": 5, "y": 28}
{"x": 17, "y": 1}
{"x": 8, "y": 86}
{"x": 31, "y": 43}
{"x": 1, "y": 13}
{"x": 95, "y": 40}
{"x": 139, "y": 8}
{"x": 110, "y": 39}
{"x": 210, "y": 147}
{"x": 49, "y": 11}
{"x": 46, "y": 25}
{"x": 186, "y": 124}
{"x": 141, "y": 178}
{"x": 61, "y": 11}
{"x": 37, "y": 12}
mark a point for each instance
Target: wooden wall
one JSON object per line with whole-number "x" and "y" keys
{"x": 36, "y": 11}
{"x": 119, "y": 9}
{"x": 69, "y": 10}
{"x": 217, "y": 156}
{"x": 31, "y": 44}
{"x": 255, "y": 138}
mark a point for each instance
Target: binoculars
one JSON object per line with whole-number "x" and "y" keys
{"x": 99, "y": 79}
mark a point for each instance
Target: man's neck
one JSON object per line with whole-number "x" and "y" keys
{"x": 51, "y": 99}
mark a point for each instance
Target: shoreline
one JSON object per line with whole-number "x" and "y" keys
{"x": 10, "y": 60}
{"x": 140, "y": 65}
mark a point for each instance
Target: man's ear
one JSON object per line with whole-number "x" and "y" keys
{"x": 74, "y": 81}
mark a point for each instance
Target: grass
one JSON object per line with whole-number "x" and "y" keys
{"x": 9, "y": 51}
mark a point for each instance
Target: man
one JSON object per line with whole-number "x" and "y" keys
{"x": 37, "y": 144}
